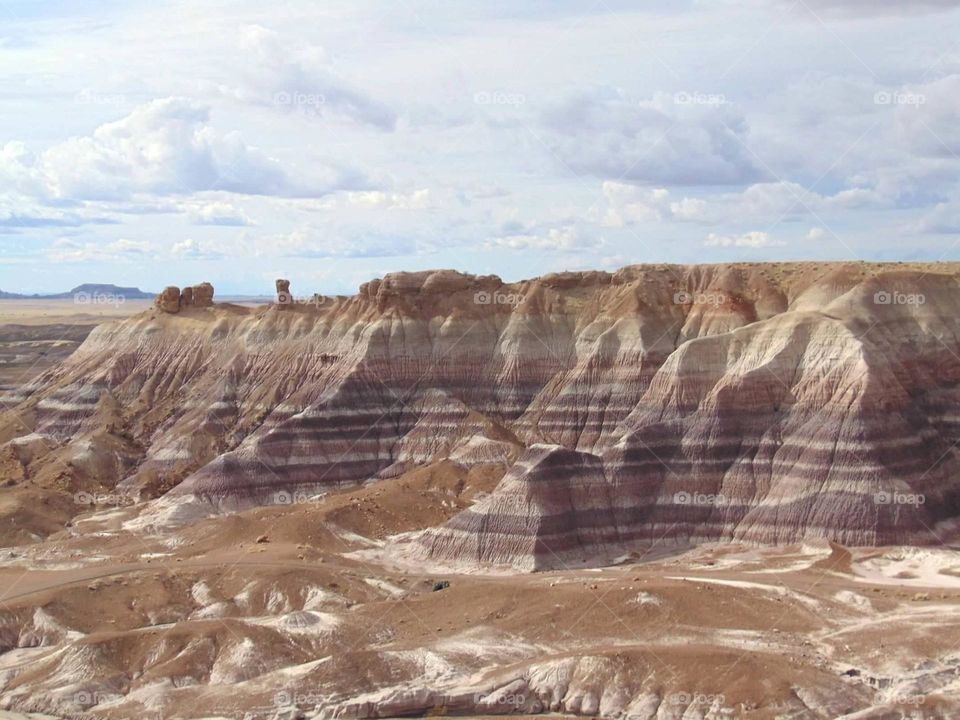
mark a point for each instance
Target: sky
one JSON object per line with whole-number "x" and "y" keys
{"x": 167, "y": 143}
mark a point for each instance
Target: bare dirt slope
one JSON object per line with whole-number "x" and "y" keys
{"x": 272, "y": 609}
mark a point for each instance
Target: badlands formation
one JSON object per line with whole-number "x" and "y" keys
{"x": 737, "y": 485}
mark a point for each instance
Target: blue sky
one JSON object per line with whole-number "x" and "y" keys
{"x": 168, "y": 143}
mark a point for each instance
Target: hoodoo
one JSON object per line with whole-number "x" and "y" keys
{"x": 172, "y": 299}
{"x": 283, "y": 292}
{"x": 203, "y": 295}
{"x": 169, "y": 299}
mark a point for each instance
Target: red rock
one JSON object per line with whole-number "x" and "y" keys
{"x": 766, "y": 403}
{"x": 284, "y": 298}
{"x": 203, "y": 295}
{"x": 169, "y": 299}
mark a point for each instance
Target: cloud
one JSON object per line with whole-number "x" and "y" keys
{"x": 306, "y": 241}
{"x": 19, "y": 213}
{"x": 202, "y": 249}
{"x": 943, "y": 219}
{"x": 18, "y": 171}
{"x": 165, "y": 146}
{"x": 628, "y": 204}
{"x": 659, "y": 141}
{"x": 814, "y": 234}
{"x": 41, "y": 217}
{"x": 300, "y": 89}
{"x": 555, "y": 239}
{"x": 752, "y": 239}
{"x": 218, "y": 213}
{"x": 313, "y": 242}
{"x": 414, "y": 200}
{"x": 871, "y": 8}
{"x": 66, "y": 250}
{"x": 927, "y": 117}
{"x": 296, "y": 76}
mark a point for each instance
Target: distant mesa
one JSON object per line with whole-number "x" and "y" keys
{"x": 88, "y": 290}
{"x": 173, "y": 299}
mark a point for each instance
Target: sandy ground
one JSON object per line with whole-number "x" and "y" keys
{"x": 272, "y": 608}
{"x": 50, "y": 312}
{"x": 35, "y": 334}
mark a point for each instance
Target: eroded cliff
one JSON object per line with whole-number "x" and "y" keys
{"x": 760, "y": 402}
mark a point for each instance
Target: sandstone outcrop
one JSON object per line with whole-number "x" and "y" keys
{"x": 169, "y": 299}
{"x": 765, "y": 403}
{"x": 202, "y": 295}
{"x": 173, "y": 299}
{"x": 283, "y": 293}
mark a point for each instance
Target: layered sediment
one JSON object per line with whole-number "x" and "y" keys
{"x": 766, "y": 403}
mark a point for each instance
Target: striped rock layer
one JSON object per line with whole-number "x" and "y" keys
{"x": 757, "y": 402}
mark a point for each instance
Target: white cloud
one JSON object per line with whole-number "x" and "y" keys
{"x": 209, "y": 249}
{"x": 20, "y": 214}
{"x": 165, "y": 146}
{"x": 314, "y": 242}
{"x": 66, "y": 250}
{"x": 218, "y": 213}
{"x": 556, "y": 239}
{"x": 856, "y": 8}
{"x": 944, "y": 219}
{"x": 657, "y": 141}
{"x": 415, "y": 200}
{"x": 752, "y": 239}
{"x": 293, "y": 75}
{"x": 288, "y": 101}
{"x": 927, "y": 117}
{"x": 628, "y": 204}
{"x": 814, "y": 234}
{"x": 18, "y": 172}
{"x": 773, "y": 202}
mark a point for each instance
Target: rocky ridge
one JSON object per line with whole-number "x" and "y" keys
{"x": 172, "y": 299}
{"x": 759, "y": 402}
